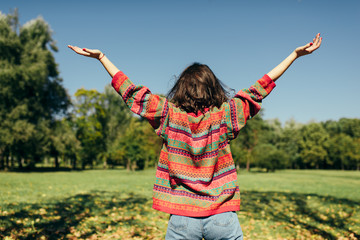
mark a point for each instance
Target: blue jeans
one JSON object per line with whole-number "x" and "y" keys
{"x": 220, "y": 226}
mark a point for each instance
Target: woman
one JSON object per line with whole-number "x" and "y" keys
{"x": 196, "y": 181}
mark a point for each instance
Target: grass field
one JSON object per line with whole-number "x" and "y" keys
{"x": 115, "y": 204}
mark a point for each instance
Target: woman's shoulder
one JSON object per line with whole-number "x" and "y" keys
{"x": 223, "y": 107}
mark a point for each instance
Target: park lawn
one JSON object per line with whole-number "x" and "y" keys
{"x": 116, "y": 204}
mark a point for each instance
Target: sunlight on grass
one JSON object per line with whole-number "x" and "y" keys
{"x": 111, "y": 204}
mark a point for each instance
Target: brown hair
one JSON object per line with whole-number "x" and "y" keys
{"x": 198, "y": 88}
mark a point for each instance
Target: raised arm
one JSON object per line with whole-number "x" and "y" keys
{"x": 97, "y": 54}
{"x": 298, "y": 52}
{"x": 137, "y": 97}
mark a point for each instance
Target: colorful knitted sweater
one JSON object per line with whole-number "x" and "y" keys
{"x": 196, "y": 175}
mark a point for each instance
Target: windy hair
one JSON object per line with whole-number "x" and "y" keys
{"x": 198, "y": 88}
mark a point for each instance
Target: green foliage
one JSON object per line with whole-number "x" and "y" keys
{"x": 118, "y": 117}
{"x": 63, "y": 142}
{"x": 31, "y": 93}
{"x": 258, "y": 145}
{"x": 109, "y": 133}
{"x": 90, "y": 123}
{"x": 269, "y": 157}
{"x": 268, "y": 145}
{"x": 313, "y": 145}
{"x": 344, "y": 148}
{"x": 343, "y": 151}
{"x": 139, "y": 146}
{"x": 248, "y": 138}
{"x": 290, "y": 144}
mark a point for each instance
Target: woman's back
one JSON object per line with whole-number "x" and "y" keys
{"x": 196, "y": 175}
{"x": 196, "y": 172}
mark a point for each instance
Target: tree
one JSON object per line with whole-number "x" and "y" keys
{"x": 313, "y": 145}
{"x": 342, "y": 151}
{"x": 90, "y": 123}
{"x": 239, "y": 154}
{"x": 290, "y": 144}
{"x": 63, "y": 143}
{"x": 118, "y": 117}
{"x": 248, "y": 137}
{"x": 268, "y": 156}
{"x": 350, "y": 127}
{"x": 138, "y": 147}
{"x": 356, "y": 153}
{"x": 31, "y": 92}
{"x": 131, "y": 146}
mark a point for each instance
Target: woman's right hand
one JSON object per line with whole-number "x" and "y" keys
{"x": 93, "y": 53}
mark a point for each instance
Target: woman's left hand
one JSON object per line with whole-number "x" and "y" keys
{"x": 310, "y": 47}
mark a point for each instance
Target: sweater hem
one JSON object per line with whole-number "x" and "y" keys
{"x": 205, "y": 213}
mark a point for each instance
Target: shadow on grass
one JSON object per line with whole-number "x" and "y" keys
{"x": 309, "y": 211}
{"x": 43, "y": 169}
{"x": 98, "y": 213}
{"x": 59, "y": 169}
{"x": 56, "y": 220}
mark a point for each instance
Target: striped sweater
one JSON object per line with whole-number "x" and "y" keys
{"x": 196, "y": 175}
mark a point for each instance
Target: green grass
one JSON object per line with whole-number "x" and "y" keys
{"x": 115, "y": 204}
{"x": 301, "y": 204}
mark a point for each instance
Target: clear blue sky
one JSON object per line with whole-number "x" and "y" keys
{"x": 151, "y": 41}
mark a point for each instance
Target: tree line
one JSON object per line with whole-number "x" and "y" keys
{"x": 325, "y": 145}
{"x": 40, "y": 123}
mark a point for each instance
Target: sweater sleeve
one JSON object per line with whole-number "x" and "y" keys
{"x": 246, "y": 104}
{"x": 141, "y": 101}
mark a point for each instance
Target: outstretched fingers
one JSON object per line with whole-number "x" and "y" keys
{"x": 316, "y": 43}
{"x": 90, "y": 51}
{"x": 93, "y": 53}
{"x": 79, "y": 50}
{"x": 310, "y": 47}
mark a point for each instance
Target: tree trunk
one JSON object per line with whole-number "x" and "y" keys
{"x": 56, "y": 162}
{"x": 146, "y": 163}
{"x": 74, "y": 163}
{"x": 20, "y": 162}
{"x": 248, "y": 165}
{"x": 2, "y": 161}
{"x": 294, "y": 165}
{"x": 12, "y": 162}
{"x": 105, "y": 166}
{"x": 83, "y": 165}
{"x": 128, "y": 164}
{"x": 248, "y": 159}
{"x": 133, "y": 166}
{"x": 7, "y": 160}
{"x": 6, "y": 164}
